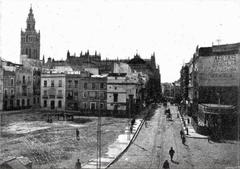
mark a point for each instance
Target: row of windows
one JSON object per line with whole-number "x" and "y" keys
{"x": 11, "y": 80}
{"x": 92, "y": 105}
{"x": 52, "y": 83}
{"x": 75, "y": 85}
{"x": 91, "y": 94}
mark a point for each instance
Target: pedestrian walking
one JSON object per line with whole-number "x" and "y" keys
{"x": 78, "y": 164}
{"x": 187, "y": 130}
{"x": 181, "y": 133}
{"x": 171, "y": 153}
{"x": 188, "y": 121}
{"x": 166, "y": 165}
{"x": 184, "y": 140}
{"x": 133, "y": 121}
{"x": 77, "y": 134}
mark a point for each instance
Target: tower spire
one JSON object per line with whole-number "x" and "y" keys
{"x": 31, "y": 20}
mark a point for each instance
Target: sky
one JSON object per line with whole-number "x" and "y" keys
{"x": 120, "y": 28}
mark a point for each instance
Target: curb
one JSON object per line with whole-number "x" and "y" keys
{"x": 194, "y": 137}
{"x": 129, "y": 144}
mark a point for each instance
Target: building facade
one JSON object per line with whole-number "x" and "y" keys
{"x": 23, "y": 88}
{"x": 123, "y": 94}
{"x": 53, "y": 91}
{"x": 214, "y": 87}
{"x": 86, "y": 93}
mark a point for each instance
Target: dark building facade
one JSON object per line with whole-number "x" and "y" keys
{"x": 9, "y": 79}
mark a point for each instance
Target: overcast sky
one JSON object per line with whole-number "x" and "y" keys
{"x": 119, "y": 28}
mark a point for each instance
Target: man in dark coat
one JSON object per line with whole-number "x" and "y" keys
{"x": 171, "y": 153}
{"x": 181, "y": 133}
{"x": 77, "y": 134}
{"x": 166, "y": 164}
{"x": 78, "y": 164}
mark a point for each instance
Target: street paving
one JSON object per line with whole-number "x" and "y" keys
{"x": 150, "y": 149}
{"x": 114, "y": 149}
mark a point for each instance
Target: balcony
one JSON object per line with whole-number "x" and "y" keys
{"x": 52, "y": 96}
{"x": 45, "y": 97}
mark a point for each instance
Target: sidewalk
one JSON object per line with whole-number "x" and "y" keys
{"x": 191, "y": 131}
{"x": 116, "y": 149}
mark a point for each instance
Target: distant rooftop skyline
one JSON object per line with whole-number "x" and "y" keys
{"x": 120, "y": 29}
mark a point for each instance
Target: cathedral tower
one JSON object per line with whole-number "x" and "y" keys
{"x": 30, "y": 39}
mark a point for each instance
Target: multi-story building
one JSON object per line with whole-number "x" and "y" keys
{"x": 214, "y": 73}
{"x": 23, "y": 88}
{"x": 53, "y": 91}
{"x": 86, "y": 93}
{"x": 92, "y": 62}
{"x": 123, "y": 94}
{"x": 8, "y": 90}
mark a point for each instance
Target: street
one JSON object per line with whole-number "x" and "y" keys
{"x": 150, "y": 149}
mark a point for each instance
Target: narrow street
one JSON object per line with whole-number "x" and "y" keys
{"x": 150, "y": 149}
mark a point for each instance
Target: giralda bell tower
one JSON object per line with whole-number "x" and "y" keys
{"x": 30, "y": 39}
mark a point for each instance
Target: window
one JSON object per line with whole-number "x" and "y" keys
{"x": 101, "y": 95}
{"x": 76, "y": 84}
{"x": 28, "y": 78}
{"x": 93, "y": 106}
{"x": 34, "y": 100}
{"x": 28, "y": 102}
{"x": 45, "y": 83}
{"x": 5, "y": 92}
{"x": 84, "y": 94}
{"x": 59, "y": 104}
{"x": 101, "y": 105}
{"x": 24, "y": 81}
{"x": 45, "y": 92}
{"x": 60, "y": 83}
{"x": 84, "y": 105}
{"x": 101, "y": 85}
{"x": 115, "y": 97}
{"x": 45, "y": 103}
{"x": 18, "y": 103}
{"x": 85, "y": 85}
{"x": 11, "y": 81}
{"x": 115, "y": 88}
{"x": 52, "y": 83}
{"x": 70, "y": 83}
{"x": 70, "y": 94}
{"x": 12, "y": 92}
{"x": 93, "y": 86}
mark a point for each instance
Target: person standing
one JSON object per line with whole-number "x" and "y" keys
{"x": 171, "y": 153}
{"x": 184, "y": 140}
{"x": 77, "y": 134}
{"x": 181, "y": 133}
{"x": 166, "y": 164}
{"x": 78, "y": 164}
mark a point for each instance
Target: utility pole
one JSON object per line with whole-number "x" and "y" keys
{"x": 99, "y": 144}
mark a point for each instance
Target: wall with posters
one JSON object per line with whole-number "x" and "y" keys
{"x": 220, "y": 70}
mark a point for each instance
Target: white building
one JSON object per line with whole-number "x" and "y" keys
{"x": 53, "y": 91}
